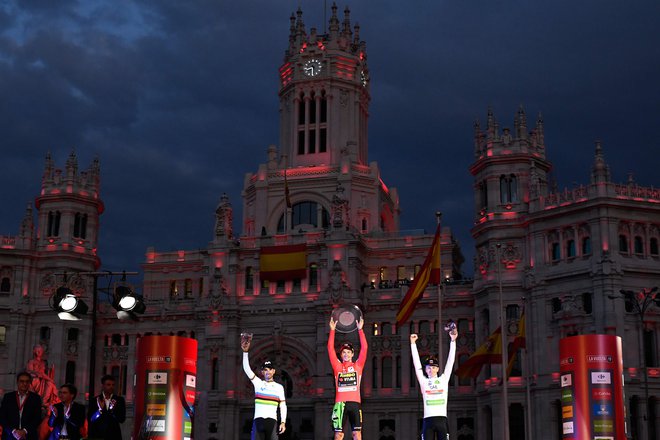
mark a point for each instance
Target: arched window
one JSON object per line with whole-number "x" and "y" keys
{"x": 587, "y": 305}
{"x": 374, "y": 371}
{"x": 570, "y": 248}
{"x": 313, "y": 277}
{"x": 555, "y": 253}
{"x": 53, "y": 229}
{"x": 215, "y": 372}
{"x": 623, "y": 244}
{"x": 483, "y": 194}
{"x": 80, "y": 225}
{"x": 364, "y": 225}
{"x": 387, "y": 372}
{"x": 5, "y": 285}
{"x": 639, "y": 245}
{"x": 508, "y": 189}
{"x": 586, "y": 246}
{"x": 306, "y": 213}
{"x": 653, "y": 246}
{"x": 249, "y": 279}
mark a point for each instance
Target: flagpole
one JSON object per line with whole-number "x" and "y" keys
{"x": 528, "y": 392}
{"x": 505, "y": 358}
{"x": 439, "y": 329}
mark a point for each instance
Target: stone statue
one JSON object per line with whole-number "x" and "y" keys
{"x": 42, "y": 377}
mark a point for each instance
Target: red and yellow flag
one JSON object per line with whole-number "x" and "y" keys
{"x": 490, "y": 352}
{"x": 279, "y": 263}
{"x": 518, "y": 343}
{"x": 429, "y": 270}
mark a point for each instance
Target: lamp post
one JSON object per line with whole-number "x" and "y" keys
{"x": 640, "y": 302}
{"x": 504, "y": 333}
{"x": 438, "y": 330}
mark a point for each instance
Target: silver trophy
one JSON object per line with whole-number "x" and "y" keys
{"x": 346, "y": 316}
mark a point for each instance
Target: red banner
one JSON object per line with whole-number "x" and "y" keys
{"x": 592, "y": 398}
{"x": 165, "y": 386}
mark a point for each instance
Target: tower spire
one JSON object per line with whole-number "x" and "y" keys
{"x": 600, "y": 171}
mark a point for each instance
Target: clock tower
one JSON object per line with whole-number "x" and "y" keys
{"x": 319, "y": 178}
{"x": 324, "y": 94}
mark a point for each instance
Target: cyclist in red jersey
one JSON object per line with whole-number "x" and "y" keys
{"x": 348, "y": 376}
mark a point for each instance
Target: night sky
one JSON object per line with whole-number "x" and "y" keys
{"x": 178, "y": 99}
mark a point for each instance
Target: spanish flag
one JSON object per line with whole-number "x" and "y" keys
{"x": 518, "y": 343}
{"x": 429, "y": 273}
{"x": 282, "y": 263}
{"x": 490, "y": 352}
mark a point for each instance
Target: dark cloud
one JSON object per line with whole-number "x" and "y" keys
{"x": 179, "y": 100}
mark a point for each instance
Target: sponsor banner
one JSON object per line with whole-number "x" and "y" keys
{"x": 156, "y": 409}
{"x": 156, "y": 394}
{"x": 567, "y": 427}
{"x": 152, "y": 359}
{"x": 604, "y": 426}
{"x": 156, "y": 425}
{"x": 599, "y": 358}
{"x": 157, "y": 378}
{"x": 603, "y": 438}
{"x": 567, "y": 395}
{"x": 566, "y": 412}
{"x": 566, "y": 380}
{"x": 190, "y": 380}
{"x": 601, "y": 377}
{"x": 602, "y": 410}
{"x": 190, "y": 397}
{"x": 601, "y": 394}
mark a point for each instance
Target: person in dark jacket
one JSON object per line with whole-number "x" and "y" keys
{"x": 67, "y": 418}
{"x": 20, "y": 413}
{"x": 110, "y": 412}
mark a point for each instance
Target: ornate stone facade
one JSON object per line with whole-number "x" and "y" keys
{"x": 560, "y": 254}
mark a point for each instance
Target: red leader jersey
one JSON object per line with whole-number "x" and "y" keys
{"x": 348, "y": 375}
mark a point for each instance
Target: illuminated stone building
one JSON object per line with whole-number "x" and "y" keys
{"x": 566, "y": 252}
{"x": 33, "y": 264}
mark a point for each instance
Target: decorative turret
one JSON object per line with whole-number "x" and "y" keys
{"x": 69, "y": 208}
{"x": 510, "y": 167}
{"x": 224, "y": 215}
{"x": 600, "y": 172}
{"x": 27, "y": 224}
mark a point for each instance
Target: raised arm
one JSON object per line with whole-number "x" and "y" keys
{"x": 331, "y": 343}
{"x": 449, "y": 365}
{"x": 419, "y": 372}
{"x": 362, "y": 358}
{"x": 245, "y": 346}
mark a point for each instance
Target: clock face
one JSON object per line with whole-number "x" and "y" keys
{"x": 312, "y": 67}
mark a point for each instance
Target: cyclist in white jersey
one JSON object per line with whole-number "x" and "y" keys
{"x": 434, "y": 389}
{"x": 268, "y": 396}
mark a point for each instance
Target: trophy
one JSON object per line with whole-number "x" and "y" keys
{"x": 346, "y": 316}
{"x": 246, "y": 338}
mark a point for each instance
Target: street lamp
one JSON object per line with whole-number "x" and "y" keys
{"x": 70, "y": 307}
{"x": 640, "y": 302}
